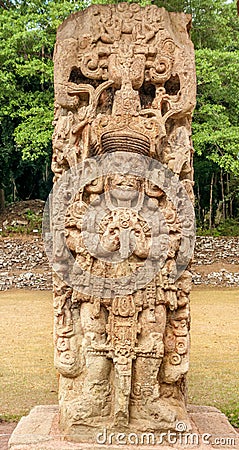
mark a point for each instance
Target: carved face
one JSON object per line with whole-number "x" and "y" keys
{"x": 124, "y": 187}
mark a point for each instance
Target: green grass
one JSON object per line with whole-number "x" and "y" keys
{"x": 27, "y": 376}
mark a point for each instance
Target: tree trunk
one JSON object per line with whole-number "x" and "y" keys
{"x": 14, "y": 190}
{"x": 2, "y": 200}
{"x": 199, "y": 204}
{"x": 223, "y": 198}
{"x": 210, "y": 204}
{"x": 228, "y": 202}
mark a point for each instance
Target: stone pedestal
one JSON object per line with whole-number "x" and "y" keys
{"x": 210, "y": 430}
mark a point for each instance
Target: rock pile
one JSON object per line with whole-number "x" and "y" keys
{"x": 209, "y": 250}
{"x": 23, "y": 264}
{"x": 220, "y": 278}
{"x": 216, "y": 261}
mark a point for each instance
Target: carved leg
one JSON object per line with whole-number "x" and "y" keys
{"x": 95, "y": 399}
{"x": 89, "y": 394}
{"x": 145, "y": 398}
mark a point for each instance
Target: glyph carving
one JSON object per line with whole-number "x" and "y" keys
{"x": 123, "y": 224}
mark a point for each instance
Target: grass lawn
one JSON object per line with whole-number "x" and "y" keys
{"x": 27, "y": 376}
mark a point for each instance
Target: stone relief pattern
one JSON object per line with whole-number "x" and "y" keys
{"x": 124, "y": 81}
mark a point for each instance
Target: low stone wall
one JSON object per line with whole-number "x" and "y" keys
{"x": 24, "y": 264}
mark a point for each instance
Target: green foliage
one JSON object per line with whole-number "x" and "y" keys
{"x": 215, "y": 123}
{"x": 33, "y": 222}
{"x": 216, "y": 127}
{"x": 28, "y": 30}
{"x": 229, "y": 227}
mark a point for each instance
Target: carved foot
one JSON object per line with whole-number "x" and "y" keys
{"x": 153, "y": 414}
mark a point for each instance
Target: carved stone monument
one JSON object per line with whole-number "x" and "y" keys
{"x": 123, "y": 223}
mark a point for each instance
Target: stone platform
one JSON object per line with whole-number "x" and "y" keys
{"x": 210, "y": 430}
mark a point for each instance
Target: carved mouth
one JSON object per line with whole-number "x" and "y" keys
{"x": 126, "y": 187}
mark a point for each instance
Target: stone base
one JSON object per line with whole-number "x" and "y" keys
{"x": 210, "y": 430}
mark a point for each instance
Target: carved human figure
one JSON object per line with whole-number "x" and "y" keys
{"x": 125, "y": 91}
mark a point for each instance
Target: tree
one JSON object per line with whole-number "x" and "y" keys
{"x": 215, "y": 126}
{"x": 28, "y": 31}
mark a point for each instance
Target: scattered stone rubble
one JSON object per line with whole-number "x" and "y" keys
{"x": 213, "y": 253}
{"x": 221, "y": 278}
{"x": 212, "y": 249}
{"x": 24, "y": 264}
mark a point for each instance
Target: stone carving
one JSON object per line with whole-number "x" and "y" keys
{"x": 123, "y": 221}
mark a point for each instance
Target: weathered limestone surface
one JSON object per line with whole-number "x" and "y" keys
{"x": 123, "y": 224}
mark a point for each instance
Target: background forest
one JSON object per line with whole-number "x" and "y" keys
{"x": 27, "y": 34}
